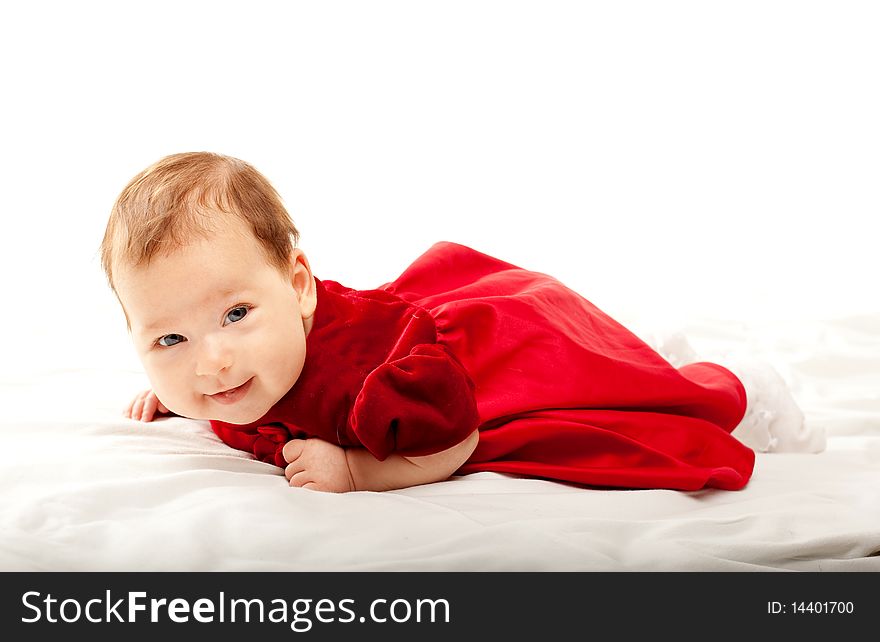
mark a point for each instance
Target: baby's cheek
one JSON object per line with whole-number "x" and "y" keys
{"x": 285, "y": 362}
{"x": 196, "y": 406}
{"x": 176, "y": 402}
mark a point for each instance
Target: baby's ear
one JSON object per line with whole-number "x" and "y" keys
{"x": 303, "y": 282}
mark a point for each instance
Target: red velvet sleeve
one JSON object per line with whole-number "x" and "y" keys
{"x": 417, "y": 405}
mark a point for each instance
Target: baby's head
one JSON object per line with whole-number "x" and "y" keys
{"x": 202, "y": 256}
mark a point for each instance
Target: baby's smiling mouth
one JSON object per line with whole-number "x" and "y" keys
{"x": 231, "y": 395}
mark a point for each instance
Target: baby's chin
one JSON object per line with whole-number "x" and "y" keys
{"x": 240, "y": 418}
{"x": 236, "y": 416}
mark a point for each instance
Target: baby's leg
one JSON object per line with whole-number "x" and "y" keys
{"x": 773, "y": 421}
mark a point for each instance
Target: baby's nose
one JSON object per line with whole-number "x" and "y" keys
{"x": 213, "y": 357}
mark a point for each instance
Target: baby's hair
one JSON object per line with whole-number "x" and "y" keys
{"x": 177, "y": 199}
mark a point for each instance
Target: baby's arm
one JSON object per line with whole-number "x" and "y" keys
{"x": 397, "y": 471}
{"x": 320, "y": 465}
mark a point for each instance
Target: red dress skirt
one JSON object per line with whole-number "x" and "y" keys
{"x": 558, "y": 389}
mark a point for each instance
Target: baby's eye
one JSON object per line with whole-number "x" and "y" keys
{"x": 170, "y": 339}
{"x": 237, "y": 314}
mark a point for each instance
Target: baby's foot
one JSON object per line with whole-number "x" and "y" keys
{"x": 773, "y": 421}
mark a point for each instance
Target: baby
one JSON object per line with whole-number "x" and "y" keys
{"x": 464, "y": 363}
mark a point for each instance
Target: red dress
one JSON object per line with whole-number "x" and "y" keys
{"x": 557, "y": 388}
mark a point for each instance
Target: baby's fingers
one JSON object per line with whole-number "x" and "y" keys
{"x": 137, "y": 407}
{"x": 301, "y": 479}
{"x": 293, "y": 449}
{"x": 292, "y": 469}
{"x": 144, "y": 406}
{"x": 127, "y": 411}
{"x": 151, "y": 402}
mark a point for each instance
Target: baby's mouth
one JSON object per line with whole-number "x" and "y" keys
{"x": 232, "y": 394}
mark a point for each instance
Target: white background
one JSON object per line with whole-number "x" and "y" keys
{"x": 665, "y": 159}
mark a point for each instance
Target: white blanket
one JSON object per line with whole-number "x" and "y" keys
{"x": 84, "y": 489}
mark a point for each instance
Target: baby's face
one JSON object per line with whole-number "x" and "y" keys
{"x": 215, "y": 316}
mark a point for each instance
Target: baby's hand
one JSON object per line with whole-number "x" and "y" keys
{"x": 145, "y": 405}
{"x": 317, "y": 464}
